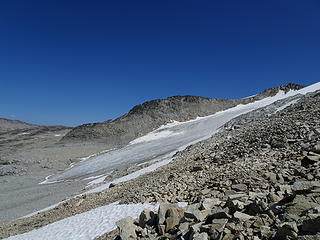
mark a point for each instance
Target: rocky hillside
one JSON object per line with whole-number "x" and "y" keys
{"x": 9, "y": 125}
{"x": 258, "y": 180}
{"x": 150, "y": 115}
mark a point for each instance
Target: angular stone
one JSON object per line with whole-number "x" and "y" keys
{"x": 147, "y": 218}
{"x": 309, "y": 160}
{"x": 272, "y": 177}
{"x": 285, "y": 189}
{"x": 193, "y": 212}
{"x": 173, "y": 217}
{"x": 183, "y": 228}
{"x": 255, "y": 208}
{"x": 127, "y": 228}
{"x": 236, "y": 205}
{"x": 196, "y": 169}
{"x": 238, "y": 196}
{"x": 240, "y": 187}
{"x": 242, "y": 216}
{"x": 201, "y": 236}
{"x": 162, "y": 229}
{"x": 196, "y": 227}
{"x": 163, "y": 208}
{"x": 301, "y": 204}
{"x": 219, "y": 224}
{"x": 209, "y": 203}
{"x": 305, "y": 186}
{"x": 280, "y": 178}
{"x": 218, "y": 213}
{"x": 316, "y": 148}
{"x": 287, "y": 229}
{"x": 265, "y": 231}
{"x": 312, "y": 225}
{"x": 273, "y": 197}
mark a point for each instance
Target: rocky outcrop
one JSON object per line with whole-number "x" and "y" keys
{"x": 150, "y": 115}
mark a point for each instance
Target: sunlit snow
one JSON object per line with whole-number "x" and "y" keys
{"x": 87, "y": 225}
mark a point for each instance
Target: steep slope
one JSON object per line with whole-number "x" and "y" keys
{"x": 9, "y": 125}
{"x": 150, "y": 115}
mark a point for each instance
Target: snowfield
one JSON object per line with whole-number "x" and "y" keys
{"x": 164, "y": 141}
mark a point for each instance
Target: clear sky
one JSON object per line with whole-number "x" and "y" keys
{"x": 73, "y": 62}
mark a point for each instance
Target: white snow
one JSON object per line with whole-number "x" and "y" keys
{"x": 154, "y": 136}
{"x": 97, "y": 180}
{"x": 87, "y": 225}
{"x": 93, "y": 177}
{"x": 23, "y": 133}
{"x": 131, "y": 176}
{"x": 57, "y": 135}
{"x": 96, "y": 154}
{"x": 46, "y": 181}
{"x": 90, "y": 224}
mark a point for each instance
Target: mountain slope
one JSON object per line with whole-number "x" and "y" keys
{"x": 9, "y": 125}
{"x": 150, "y": 115}
{"x": 265, "y": 171}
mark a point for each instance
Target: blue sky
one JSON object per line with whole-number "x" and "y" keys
{"x": 73, "y": 62}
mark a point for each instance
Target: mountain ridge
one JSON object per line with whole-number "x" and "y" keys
{"x": 148, "y": 116}
{"x": 9, "y": 124}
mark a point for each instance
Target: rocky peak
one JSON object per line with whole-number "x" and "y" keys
{"x": 286, "y": 88}
{"x": 167, "y": 102}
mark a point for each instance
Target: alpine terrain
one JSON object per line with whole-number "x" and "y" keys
{"x": 184, "y": 167}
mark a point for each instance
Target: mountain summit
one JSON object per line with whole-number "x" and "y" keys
{"x": 150, "y": 115}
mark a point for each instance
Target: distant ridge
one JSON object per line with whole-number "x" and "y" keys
{"x": 9, "y": 125}
{"x": 150, "y": 115}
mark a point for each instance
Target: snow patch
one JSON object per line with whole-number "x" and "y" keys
{"x": 98, "y": 180}
{"x": 131, "y": 176}
{"x": 23, "y": 133}
{"x": 46, "y": 181}
{"x": 95, "y": 154}
{"x": 87, "y": 225}
{"x": 155, "y": 135}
